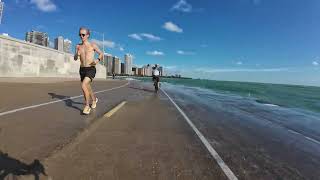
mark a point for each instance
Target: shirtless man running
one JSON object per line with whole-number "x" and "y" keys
{"x": 86, "y": 51}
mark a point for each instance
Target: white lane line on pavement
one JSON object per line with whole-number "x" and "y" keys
{"x": 313, "y": 140}
{"x": 115, "y": 109}
{"x": 52, "y": 102}
{"x": 227, "y": 171}
{"x": 308, "y": 138}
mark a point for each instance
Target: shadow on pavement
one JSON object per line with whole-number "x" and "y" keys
{"x": 68, "y": 102}
{"x": 12, "y": 166}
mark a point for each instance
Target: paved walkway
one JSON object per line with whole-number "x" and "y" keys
{"x": 143, "y": 140}
{"x": 45, "y": 131}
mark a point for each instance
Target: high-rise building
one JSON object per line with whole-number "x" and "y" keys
{"x": 144, "y": 70}
{"x": 37, "y": 37}
{"x": 134, "y": 71}
{"x": 122, "y": 68}
{"x": 128, "y": 64}
{"x": 58, "y": 43}
{"x": 116, "y": 65}
{"x": 108, "y": 62}
{"x": 67, "y": 45}
{"x": 1, "y": 10}
{"x": 140, "y": 72}
{"x": 161, "y": 70}
{"x": 105, "y": 61}
{"x": 147, "y": 70}
{"x": 63, "y": 45}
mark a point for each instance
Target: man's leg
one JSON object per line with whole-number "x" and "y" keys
{"x": 85, "y": 90}
{"x": 93, "y": 97}
{"x": 158, "y": 81}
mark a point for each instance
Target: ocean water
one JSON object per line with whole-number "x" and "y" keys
{"x": 290, "y": 96}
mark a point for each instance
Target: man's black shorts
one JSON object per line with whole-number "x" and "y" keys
{"x": 89, "y": 72}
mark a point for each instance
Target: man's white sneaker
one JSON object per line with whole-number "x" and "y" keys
{"x": 86, "y": 110}
{"x": 94, "y": 103}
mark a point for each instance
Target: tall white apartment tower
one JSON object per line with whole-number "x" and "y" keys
{"x": 67, "y": 45}
{"x": 128, "y": 64}
{"x": 58, "y": 43}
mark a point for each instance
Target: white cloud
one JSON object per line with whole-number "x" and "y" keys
{"x": 135, "y": 36}
{"x": 315, "y": 63}
{"x": 44, "y": 5}
{"x": 108, "y": 44}
{"x": 170, "y": 67}
{"x": 182, "y": 6}
{"x": 172, "y": 27}
{"x": 180, "y": 52}
{"x": 155, "y": 53}
{"x": 239, "y": 63}
{"x": 141, "y": 36}
{"x": 185, "y": 52}
{"x": 151, "y": 37}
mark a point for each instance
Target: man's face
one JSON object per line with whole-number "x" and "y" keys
{"x": 83, "y": 34}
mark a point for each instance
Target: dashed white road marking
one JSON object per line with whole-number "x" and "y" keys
{"x": 115, "y": 109}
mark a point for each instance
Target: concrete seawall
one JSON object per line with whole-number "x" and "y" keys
{"x": 22, "y": 59}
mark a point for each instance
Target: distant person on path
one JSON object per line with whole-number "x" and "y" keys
{"x": 156, "y": 74}
{"x": 85, "y": 51}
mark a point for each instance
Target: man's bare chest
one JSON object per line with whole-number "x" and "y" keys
{"x": 86, "y": 49}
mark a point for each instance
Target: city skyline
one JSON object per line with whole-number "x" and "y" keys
{"x": 114, "y": 65}
{"x": 247, "y": 40}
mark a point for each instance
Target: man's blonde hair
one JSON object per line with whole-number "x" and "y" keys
{"x": 85, "y": 28}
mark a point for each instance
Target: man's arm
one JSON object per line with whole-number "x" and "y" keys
{"x": 76, "y": 54}
{"x": 97, "y": 50}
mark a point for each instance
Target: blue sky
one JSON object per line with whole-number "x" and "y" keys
{"x": 245, "y": 40}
